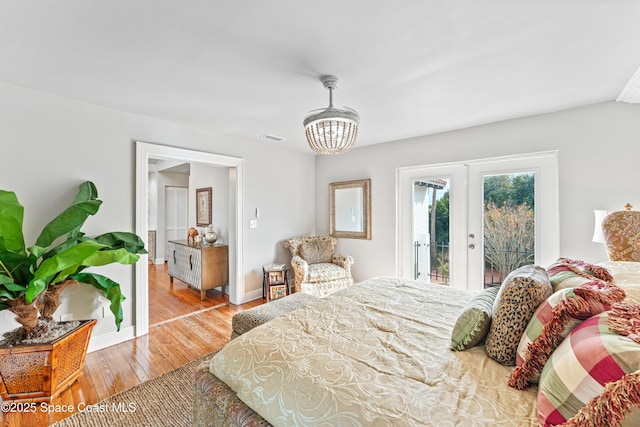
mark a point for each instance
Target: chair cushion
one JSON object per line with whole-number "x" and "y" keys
{"x": 316, "y": 251}
{"x": 325, "y": 271}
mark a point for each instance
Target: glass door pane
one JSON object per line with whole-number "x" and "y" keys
{"x": 431, "y": 229}
{"x": 508, "y": 224}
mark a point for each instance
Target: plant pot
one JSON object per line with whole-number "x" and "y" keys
{"x": 39, "y": 372}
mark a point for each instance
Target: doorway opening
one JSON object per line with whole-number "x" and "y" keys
{"x": 146, "y": 153}
{"x": 172, "y": 185}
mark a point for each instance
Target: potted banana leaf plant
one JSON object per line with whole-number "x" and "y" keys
{"x": 31, "y": 281}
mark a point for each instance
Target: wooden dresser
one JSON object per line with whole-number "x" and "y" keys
{"x": 201, "y": 266}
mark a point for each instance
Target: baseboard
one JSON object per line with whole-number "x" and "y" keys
{"x": 252, "y": 295}
{"x": 158, "y": 261}
{"x": 112, "y": 338}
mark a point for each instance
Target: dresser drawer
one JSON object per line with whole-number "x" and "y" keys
{"x": 185, "y": 264}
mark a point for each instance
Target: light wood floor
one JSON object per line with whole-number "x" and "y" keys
{"x": 167, "y": 301}
{"x": 169, "y": 345}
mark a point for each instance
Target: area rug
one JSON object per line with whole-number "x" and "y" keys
{"x": 166, "y": 400}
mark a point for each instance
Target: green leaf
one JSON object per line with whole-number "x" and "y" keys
{"x": 70, "y": 220}
{"x": 35, "y": 288}
{"x": 50, "y": 267}
{"x": 14, "y": 287}
{"x": 105, "y": 257}
{"x": 6, "y": 295}
{"x": 72, "y": 240}
{"x": 11, "y": 215}
{"x": 122, "y": 239}
{"x": 85, "y": 254}
{"x": 10, "y": 290}
{"x": 15, "y": 265}
{"x": 87, "y": 191}
{"x": 109, "y": 288}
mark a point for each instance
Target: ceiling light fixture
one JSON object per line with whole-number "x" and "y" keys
{"x": 332, "y": 130}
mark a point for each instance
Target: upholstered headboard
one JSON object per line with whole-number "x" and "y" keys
{"x": 622, "y": 235}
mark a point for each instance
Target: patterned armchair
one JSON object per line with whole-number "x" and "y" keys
{"x": 318, "y": 270}
{"x": 622, "y": 235}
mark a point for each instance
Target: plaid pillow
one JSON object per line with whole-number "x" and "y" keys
{"x": 553, "y": 320}
{"x": 569, "y": 273}
{"x": 593, "y": 377}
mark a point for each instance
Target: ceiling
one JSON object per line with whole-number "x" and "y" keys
{"x": 246, "y": 68}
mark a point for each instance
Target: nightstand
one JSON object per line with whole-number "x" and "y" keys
{"x": 275, "y": 281}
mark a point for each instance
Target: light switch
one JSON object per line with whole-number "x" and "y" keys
{"x": 253, "y": 223}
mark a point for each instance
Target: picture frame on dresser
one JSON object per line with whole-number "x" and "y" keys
{"x": 203, "y": 206}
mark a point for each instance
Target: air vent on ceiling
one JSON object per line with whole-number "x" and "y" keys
{"x": 270, "y": 137}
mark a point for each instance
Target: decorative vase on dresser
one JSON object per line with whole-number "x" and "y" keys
{"x": 200, "y": 266}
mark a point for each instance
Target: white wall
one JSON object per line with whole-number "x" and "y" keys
{"x": 51, "y": 144}
{"x": 598, "y": 169}
{"x": 203, "y": 176}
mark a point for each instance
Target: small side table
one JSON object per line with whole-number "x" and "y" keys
{"x": 275, "y": 282}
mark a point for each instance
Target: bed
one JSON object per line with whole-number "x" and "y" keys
{"x": 375, "y": 354}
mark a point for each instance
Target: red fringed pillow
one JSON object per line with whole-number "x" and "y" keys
{"x": 571, "y": 273}
{"x": 593, "y": 377}
{"x": 553, "y": 320}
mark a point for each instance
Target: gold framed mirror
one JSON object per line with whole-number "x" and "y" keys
{"x": 350, "y": 209}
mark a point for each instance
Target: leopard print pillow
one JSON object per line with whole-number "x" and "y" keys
{"x": 518, "y": 298}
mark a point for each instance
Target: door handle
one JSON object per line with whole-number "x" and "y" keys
{"x": 471, "y": 236}
{"x": 472, "y": 246}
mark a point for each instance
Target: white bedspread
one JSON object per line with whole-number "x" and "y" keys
{"x": 375, "y": 354}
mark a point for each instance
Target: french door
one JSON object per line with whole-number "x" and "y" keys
{"x": 469, "y": 224}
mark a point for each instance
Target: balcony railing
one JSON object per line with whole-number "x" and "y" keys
{"x": 492, "y": 275}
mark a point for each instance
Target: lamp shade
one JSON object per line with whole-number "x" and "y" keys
{"x": 599, "y": 215}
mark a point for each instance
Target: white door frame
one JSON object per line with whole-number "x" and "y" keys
{"x": 547, "y": 250}
{"x": 146, "y": 151}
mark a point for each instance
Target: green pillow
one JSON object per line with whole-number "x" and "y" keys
{"x": 474, "y": 320}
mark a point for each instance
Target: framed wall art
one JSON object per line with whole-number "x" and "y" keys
{"x": 203, "y": 206}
